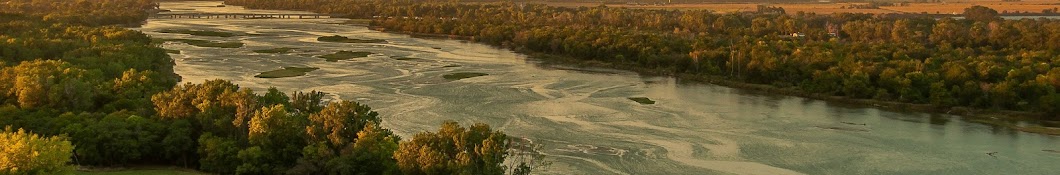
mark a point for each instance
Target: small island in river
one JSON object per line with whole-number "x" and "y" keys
{"x": 286, "y": 72}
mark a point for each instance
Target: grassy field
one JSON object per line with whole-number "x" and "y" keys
{"x": 1034, "y": 6}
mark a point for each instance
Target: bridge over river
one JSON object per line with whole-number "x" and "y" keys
{"x": 239, "y": 16}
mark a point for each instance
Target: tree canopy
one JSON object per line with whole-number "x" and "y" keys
{"x": 28, "y": 153}
{"x": 107, "y": 96}
{"x": 980, "y": 13}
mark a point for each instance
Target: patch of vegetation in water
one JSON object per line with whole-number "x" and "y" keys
{"x": 344, "y": 55}
{"x": 286, "y": 72}
{"x": 202, "y": 43}
{"x": 402, "y": 58}
{"x": 281, "y": 50}
{"x": 642, "y": 100}
{"x": 171, "y": 51}
{"x": 199, "y": 32}
{"x": 343, "y": 39}
{"x": 462, "y": 75}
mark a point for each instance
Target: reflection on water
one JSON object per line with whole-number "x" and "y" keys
{"x": 583, "y": 117}
{"x": 937, "y": 119}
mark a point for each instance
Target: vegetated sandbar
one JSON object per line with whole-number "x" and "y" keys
{"x": 402, "y": 58}
{"x": 203, "y": 43}
{"x": 198, "y": 32}
{"x": 462, "y": 75}
{"x": 343, "y": 39}
{"x": 344, "y": 55}
{"x": 642, "y": 100}
{"x": 281, "y": 50}
{"x": 286, "y": 72}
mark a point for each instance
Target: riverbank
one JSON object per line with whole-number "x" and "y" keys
{"x": 1002, "y": 118}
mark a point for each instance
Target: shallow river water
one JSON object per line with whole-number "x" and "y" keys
{"x": 583, "y": 118}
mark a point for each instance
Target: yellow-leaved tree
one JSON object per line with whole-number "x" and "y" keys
{"x": 28, "y": 153}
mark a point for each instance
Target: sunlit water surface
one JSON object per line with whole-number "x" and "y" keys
{"x": 583, "y": 119}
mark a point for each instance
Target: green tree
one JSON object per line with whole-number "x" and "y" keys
{"x": 858, "y": 86}
{"x": 218, "y": 154}
{"x": 980, "y": 13}
{"x": 255, "y": 161}
{"x": 274, "y": 97}
{"x": 314, "y": 159}
{"x": 371, "y": 154}
{"x": 277, "y": 137}
{"x": 179, "y": 144}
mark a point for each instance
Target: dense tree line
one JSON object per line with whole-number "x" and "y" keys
{"x": 981, "y": 61}
{"x": 89, "y": 12}
{"x": 239, "y": 132}
{"x": 82, "y": 91}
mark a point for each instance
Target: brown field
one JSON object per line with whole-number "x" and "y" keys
{"x": 1033, "y": 6}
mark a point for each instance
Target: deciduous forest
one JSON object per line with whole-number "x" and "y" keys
{"x": 78, "y": 89}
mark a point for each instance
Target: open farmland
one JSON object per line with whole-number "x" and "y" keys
{"x": 826, "y": 8}
{"x": 956, "y": 8}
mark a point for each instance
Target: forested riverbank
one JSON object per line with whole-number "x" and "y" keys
{"x": 78, "y": 89}
{"x": 981, "y": 64}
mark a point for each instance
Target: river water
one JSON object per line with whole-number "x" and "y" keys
{"x": 582, "y": 117}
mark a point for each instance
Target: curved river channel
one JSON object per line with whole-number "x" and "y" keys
{"x": 583, "y": 118}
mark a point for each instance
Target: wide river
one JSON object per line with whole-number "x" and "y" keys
{"x": 583, "y": 118}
